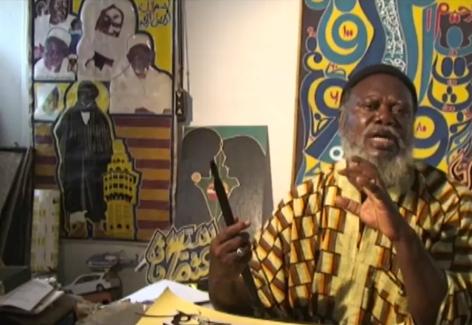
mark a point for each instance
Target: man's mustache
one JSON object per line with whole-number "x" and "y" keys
{"x": 387, "y": 130}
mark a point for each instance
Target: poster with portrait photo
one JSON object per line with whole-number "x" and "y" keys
{"x": 48, "y": 100}
{"x": 56, "y": 34}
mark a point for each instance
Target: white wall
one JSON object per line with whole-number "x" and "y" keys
{"x": 14, "y": 75}
{"x": 242, "y": 66}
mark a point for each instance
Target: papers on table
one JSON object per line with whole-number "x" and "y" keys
{"x": 153, "y": 291}
{"x": 31, "y": 297}
{"x": 169, "y": 307}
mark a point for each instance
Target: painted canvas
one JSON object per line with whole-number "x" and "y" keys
{"x": 431, "y": 41}
{"x": 103, "y": 113}
{"x": 242, "y": 157}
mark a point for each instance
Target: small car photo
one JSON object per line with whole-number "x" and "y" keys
{"x": 105, "y": 261}
{"x": 92, "y": 282}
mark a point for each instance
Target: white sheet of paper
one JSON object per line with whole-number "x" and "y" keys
{"x": 49, "y": 299}
{"x": 153, "y": 291}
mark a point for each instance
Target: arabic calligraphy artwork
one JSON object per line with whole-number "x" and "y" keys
{"x": 431, "y": 41}
{"x": 180, "y": 254}
{"x": 103, "y": 113}
{"x": 241, "y": 154}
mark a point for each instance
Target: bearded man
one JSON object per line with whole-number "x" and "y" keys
{"x": 107, "y": 25}
{"x": 373, "y": 239}
{"x": 141, "y": 88}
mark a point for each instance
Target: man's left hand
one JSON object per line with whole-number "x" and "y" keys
{"x": 377, "y": 210}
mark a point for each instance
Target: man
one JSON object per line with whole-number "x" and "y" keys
{"x": 107, "y": 25}
{"x": 54, "y": 65}
{"x": 84, "y": 142}
{"x": 141, "y": 88}
{"x": 371, "y": 240}
{"x": 58, "y": 17}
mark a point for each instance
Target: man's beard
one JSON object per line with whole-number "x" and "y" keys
{"x": 140, "y": 70}
{"x": 395, "y": 172}
{"x": 110, "y": 47}
{"x": 53, "y": 64}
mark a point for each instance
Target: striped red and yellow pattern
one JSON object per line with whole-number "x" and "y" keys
{"x": 45, "y": 160}
{"x": 148, "y": 139}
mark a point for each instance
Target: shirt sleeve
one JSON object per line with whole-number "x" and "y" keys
{"x": 456, "y": 256}
{"x": 268, "y": 261}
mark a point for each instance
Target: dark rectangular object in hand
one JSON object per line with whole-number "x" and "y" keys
{"x": 229, "y": 219}
{"x": 221, "y": 194}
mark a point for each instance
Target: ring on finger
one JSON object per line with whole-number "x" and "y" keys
{"x": 240, "y": 252}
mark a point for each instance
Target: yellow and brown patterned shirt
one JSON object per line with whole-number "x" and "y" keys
{"x": 315, "y": 262}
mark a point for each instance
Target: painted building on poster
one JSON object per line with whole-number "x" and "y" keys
{"x": 120, "y": 189}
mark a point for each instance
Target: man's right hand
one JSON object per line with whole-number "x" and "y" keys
{"x": 230, "y": 251}
{"x": 226, "y": 288}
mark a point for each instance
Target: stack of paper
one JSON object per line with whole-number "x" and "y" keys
{"x": 31, "y": 297}
{"x": 153, "y": 291}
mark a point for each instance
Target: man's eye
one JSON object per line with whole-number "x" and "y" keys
{"x": 370, "y": 105}
{"x": 399, "y": 110}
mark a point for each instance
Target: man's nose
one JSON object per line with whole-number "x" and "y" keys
{"x": 384, "y": 114}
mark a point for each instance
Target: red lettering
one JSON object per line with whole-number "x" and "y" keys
{"x": 332, "y": 66}
{"x": 347, "y": 32}
{"x": 421, "y": 128}
{"x": 334, "y": 96}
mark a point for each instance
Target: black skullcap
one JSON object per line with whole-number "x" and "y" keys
{"x": 380, "y": 68}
